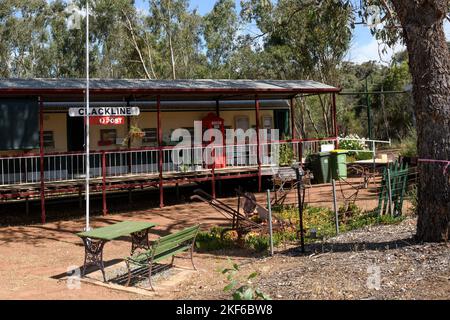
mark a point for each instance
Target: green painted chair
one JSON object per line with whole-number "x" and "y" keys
{"x": 399, "y": 181}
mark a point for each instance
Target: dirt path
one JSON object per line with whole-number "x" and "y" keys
{"x": 33, "y": 256}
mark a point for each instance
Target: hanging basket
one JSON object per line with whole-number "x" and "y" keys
{"x": 137, "y": 134}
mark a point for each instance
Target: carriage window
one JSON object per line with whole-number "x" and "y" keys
{"x": 150, "y": 135}
{"x": 242, "y": 122}
{"x": 49, "y": 140}
{"x": 107, "y": 137}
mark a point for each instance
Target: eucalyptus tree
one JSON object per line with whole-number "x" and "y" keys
{"x": 179, "y": 36}
{"x": 419, "y": 25}
{"x": 303, "y": 40}
{"x": 220, "y": 27}
{"x": 24, "y": 37}
{"x": 112, "y": 35}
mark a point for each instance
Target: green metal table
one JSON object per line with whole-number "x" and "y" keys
{"x": 94, "y": 240}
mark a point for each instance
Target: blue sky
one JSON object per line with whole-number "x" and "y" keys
{"x": 364, "y": 46}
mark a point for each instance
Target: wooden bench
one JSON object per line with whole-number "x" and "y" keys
{"x": 162, "y": 248}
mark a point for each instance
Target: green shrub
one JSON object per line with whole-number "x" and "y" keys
{"x": 351, "y": 158}
{"x": 286, "y": 155}
{"x": 257, "y": 242}
{"x": 351, "y": 210}
{"x": 319, "y": 219}
{"x": 372, "y": 218}
{"x": 283, "y": 237}
{"x": 245, "y": 291}
{"x": 364, "y": 155}
{"x": 211, "y": 240}
{"x": 322, "y": 220}
{"x": 408, "y": 146}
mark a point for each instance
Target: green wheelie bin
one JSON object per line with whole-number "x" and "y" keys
{"x": 320, "y": 165}
{"x": 338, "y": 164}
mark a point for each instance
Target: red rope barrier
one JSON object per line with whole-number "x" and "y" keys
{"x": 447, "y": 162}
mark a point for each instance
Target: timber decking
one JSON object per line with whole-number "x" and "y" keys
{"x": 20, "y": 192}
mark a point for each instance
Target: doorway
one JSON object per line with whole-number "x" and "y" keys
{"x": 281, "y": 121}
{"x": 75, "y": 133}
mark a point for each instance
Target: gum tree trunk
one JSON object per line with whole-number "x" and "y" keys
{"x": 429, "y": 61}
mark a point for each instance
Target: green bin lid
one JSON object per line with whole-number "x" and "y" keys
{"x": 339, "y": 151}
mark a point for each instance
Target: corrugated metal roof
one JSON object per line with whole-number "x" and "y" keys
{"x": 180, "y": 105}
{"x": 166, "y": 85}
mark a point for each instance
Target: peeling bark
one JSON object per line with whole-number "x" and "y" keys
{"x": 429, "y": 61}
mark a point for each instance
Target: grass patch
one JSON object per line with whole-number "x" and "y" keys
{"x": 318, "y": 223}
{"x": 212, "y": 240}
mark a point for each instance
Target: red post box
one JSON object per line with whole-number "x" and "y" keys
{"x": 212, "y": 121}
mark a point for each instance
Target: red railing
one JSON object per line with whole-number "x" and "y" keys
{"x": 70, "y": 166}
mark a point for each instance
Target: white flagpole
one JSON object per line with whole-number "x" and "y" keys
{"x": 87, "y": 116}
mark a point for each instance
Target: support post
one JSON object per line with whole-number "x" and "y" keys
{"x": 369, "y": 114}
{"x": 87, "y": 117}
{"x": 160, "y": 152}
{"x": 41, "y": 158}
{"x": 258, "y": 151}
{"x": 335, "y": 207}
{"x": 374, "y": 161}
{"x": 213, "y": 182}
{"x": 219, "y": 187}
{"x": 105, "y": 209}
{"x": 269, "y": 207}
{"x": 27, "y": 206}
{"x": 128, "y": 143}
{"x": 335, "y": 126}
{"x": 221, "y": 154}
{"x": 297, "y": 169}
{"x": 293, "y": 135}
{"x": 177, "y": 191}
{"x": 80, "y": 196}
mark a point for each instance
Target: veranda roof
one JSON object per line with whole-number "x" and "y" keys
{"x": 205, "y": 89}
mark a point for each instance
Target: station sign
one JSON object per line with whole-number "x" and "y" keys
{"x": 105, "y": 121}
{"x": 105, "y": 111}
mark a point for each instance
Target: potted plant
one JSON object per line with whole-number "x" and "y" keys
{"x": 184, "y": 168}
{"x": 286, "y": 155}
{"x": 134, "y": 133}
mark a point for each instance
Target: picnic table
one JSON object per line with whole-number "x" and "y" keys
{"x": 94, "y": 240}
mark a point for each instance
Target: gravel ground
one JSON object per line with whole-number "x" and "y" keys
{"x": 377, "y": 262}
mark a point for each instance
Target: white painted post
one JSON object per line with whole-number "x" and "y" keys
{"x": 374, "y": 161}
{"x": 269, "y": 207}
{"x": 87, "y": 117}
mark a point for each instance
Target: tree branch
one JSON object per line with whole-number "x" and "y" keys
{"x": 136, "y": 46}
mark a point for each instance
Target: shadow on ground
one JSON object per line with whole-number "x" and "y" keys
{"x": 318, "y": 247}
